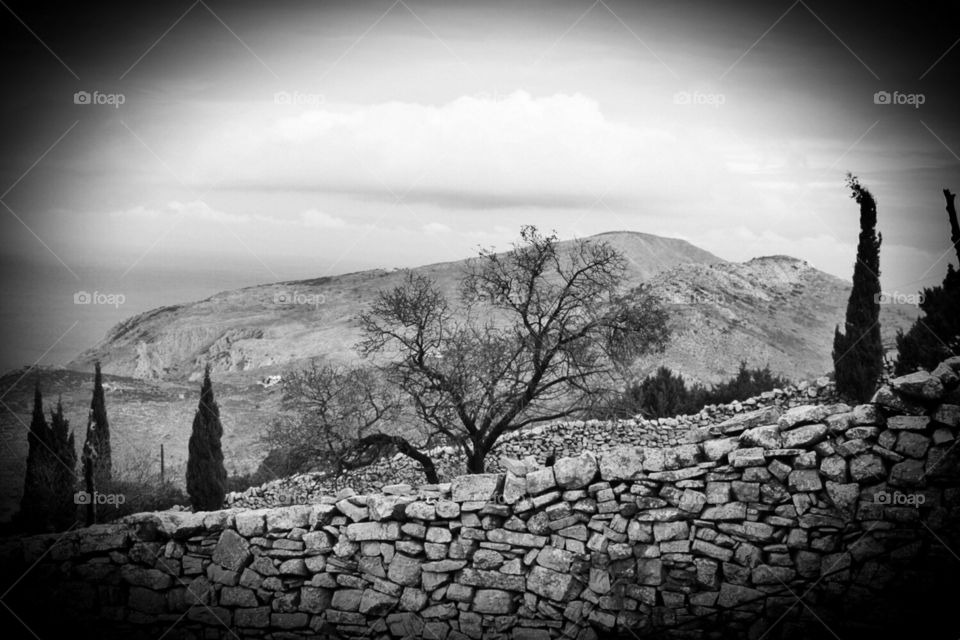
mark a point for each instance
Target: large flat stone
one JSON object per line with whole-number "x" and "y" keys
{"x": 232, "y": 551}
{"x": 494, "y": 602}
{"x": 286, "y": 518}
{"x": 478, "y": 487}
{"x": 375, "y": 603}
{"x": 553, "y": 585}
{"x": 767, "y": 437}
{"x": 516, "y": 539}
{"x": 144, "y": 577}
{"x": 804, "y": 480}
{"x": 540, "y": 481}
{"x": 621, "y": 463}
{"x": 748, "y": 420}
{"x": 804, "y": 436}
{"x": 844, "y": 495}
{"x": 576, "y": 472}
{"x": 805, "y": 414}
{"x": 913, "y": 423}
{"x": 716, "y": 449}
{"x": 364, "y": 531}
{"x": 734, "y": 595}
{"x": 405, "y": 570}
{"x": 920, "y": 385}
{"x": 491, "y": 580}
{"x": 555, "y": 559}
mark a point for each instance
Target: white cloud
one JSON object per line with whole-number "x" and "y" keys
{"x": 436, "y": 228}
{"x": 193, "y": 210}
{"x": 321, "y": 219}
{"x": 518, "y": 149}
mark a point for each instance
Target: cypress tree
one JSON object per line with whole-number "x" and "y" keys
{"x": 935, "y": 336}
{"x": 49, "y": 483}
{"x": 98, "y": 408}
{"x": 858, "y": 349}
{"x": 206, "y": 475}
{"x": 89, "y": 476}
{"x": 31, "y": 516}
{"x": 64, "y": 478}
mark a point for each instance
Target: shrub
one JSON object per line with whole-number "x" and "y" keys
{"x": 665, "y": 394}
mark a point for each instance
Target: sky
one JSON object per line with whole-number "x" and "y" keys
{"x": 214, "y": 144}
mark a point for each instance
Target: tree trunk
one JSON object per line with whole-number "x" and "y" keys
{"x": 954, "y": 225}
{"x": 476, "y": 461}
{"x": 88, "y": 482}
{"x": 363, "y": 453}
{"x": 425, "y": 461}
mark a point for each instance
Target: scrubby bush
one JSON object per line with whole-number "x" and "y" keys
{"x": 665, "y": 393}
{"x": 279, "y": 463}
{"x": 138, "y": 497}
{"x": 136, "y": 487}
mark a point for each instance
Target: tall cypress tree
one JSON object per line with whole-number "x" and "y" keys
{"x": 89, "y": 457}
{"x": 858, "y": 350}
{"x": 64, "y": 470}
{"x": 32, "y": 516}
{"x": 206, "y": 475}
{"x": 935, "y": 336}
{"x": 98, "y": 407}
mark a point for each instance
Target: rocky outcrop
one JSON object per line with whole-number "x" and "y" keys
{"x": 782, "y": 524}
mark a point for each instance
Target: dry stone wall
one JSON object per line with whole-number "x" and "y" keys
{"x": 558, "y": 439}
{"x": 802, "y": 522}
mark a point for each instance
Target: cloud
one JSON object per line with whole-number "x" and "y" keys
{"x": 322, "y": 220}
{"x": 487, "y": 151}
{"x": 194, "y": 210}
{"x": 436, "y": 228}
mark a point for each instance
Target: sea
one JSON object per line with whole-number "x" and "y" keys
{"x": 49, "y": 315}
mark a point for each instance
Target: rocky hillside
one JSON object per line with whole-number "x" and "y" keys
{"x": 777, "y": 310}
{"x": 774, "y": 310}
{"x": 263, "y": 330}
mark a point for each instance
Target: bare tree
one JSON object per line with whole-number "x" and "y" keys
{"x": 330, "y": 408}
{"x": 542, "y": 332}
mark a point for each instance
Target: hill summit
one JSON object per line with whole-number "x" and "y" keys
{"x": 774, "y": 310}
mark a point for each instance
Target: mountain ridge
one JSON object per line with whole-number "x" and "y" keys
{"x": 777, "y": 309}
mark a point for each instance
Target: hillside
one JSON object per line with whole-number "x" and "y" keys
{"x": 257, "y": 331}
{"x": 775, "y": 310}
